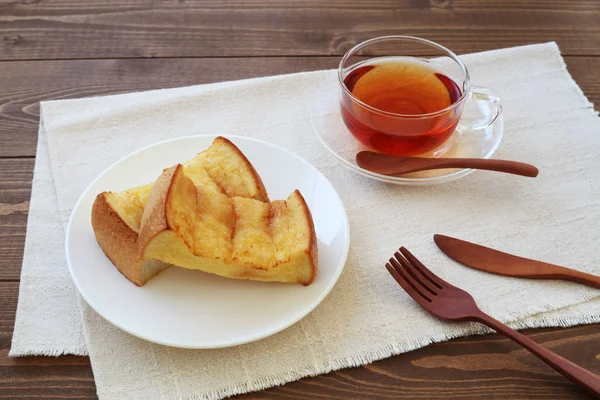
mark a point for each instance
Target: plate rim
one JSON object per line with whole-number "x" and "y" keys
{"x": 269, "y": 332}
{"x": 398, "y": 180}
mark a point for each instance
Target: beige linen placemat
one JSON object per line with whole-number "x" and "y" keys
{"x": 554, "y": 217}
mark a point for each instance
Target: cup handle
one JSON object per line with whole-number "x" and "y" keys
{"x": 488, "y": 102}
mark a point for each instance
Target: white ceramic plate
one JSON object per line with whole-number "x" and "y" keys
{"x": 192, "y": 309}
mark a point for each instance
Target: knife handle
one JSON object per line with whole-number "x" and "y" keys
{"x": 580, "y": 277}
{"x": 573, "y": 372}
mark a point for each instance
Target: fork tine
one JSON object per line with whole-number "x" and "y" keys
{"x": 433, "y": 278}
{"x": 405, "y": 285}
{"x": 410, "y": 269}
{"x": 400, "y": 269}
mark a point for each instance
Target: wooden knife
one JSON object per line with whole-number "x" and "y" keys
{"x": 494, "y": 261}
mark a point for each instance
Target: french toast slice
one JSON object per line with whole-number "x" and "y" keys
{"x": 116, "y": 217}
{"x": 195, "y": 227}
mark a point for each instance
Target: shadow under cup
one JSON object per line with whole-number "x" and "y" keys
{"x": 414, "y": 130}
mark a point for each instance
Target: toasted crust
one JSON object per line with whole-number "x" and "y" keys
{"x": 116, "y": 238}
{"x": 313, "y": 249}
{"x": 154, "y": 219}
{"x": 262, "y": 192}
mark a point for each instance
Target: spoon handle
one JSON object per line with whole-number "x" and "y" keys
{"x": 510, "y": 167}
{"x": 395, "y": 165}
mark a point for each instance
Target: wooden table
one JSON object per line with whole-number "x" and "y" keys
{"x": 54, "y": 49}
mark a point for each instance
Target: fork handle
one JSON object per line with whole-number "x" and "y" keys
{"x": 576, "y": 374}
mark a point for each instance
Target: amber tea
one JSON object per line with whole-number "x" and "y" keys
{"x": 405, "y": 96}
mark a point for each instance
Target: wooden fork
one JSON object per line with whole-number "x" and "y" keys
{"x": 450, "y": 303}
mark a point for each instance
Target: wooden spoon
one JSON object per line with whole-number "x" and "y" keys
{"x": 396, "y": 165}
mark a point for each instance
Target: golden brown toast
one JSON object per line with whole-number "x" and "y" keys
{"x": 196, "y": 227}
{"x": 116, "y": 217}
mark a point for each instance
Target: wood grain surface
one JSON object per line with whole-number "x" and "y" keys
{"x": 55, "y": 49}
{"x": 67, "y": 29}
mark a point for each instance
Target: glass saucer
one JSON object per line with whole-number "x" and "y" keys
{"x": 330, "y": 129}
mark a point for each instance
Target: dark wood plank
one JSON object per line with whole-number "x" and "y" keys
{"x": 68, "y": 29}
{"x": 24, "y": 84}
{"x": 485, "y": 367}
{"x": 586, "y": 72}
{"x": 15, "y": 191}
{"x": 8, "y": 306}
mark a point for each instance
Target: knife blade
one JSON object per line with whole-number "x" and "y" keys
{"x": 497, "y": 262}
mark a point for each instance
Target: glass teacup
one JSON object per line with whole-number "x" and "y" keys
{"x": 404, "y": 95}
